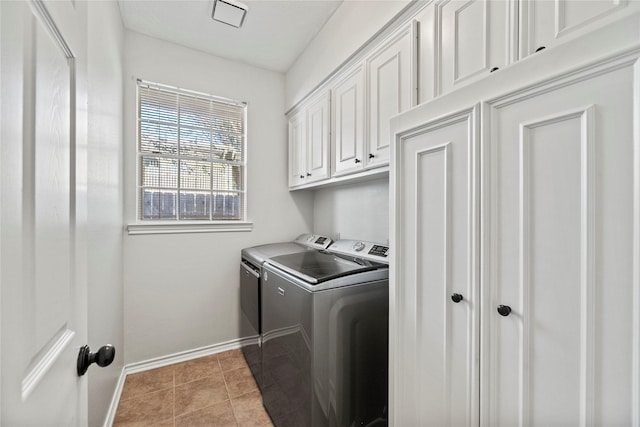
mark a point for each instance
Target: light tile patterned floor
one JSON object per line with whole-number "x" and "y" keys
{"x": 211, "y": 391}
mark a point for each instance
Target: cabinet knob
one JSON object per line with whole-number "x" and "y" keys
{"x": 301, "y": 176}
{"x": 504, "y": 310}
{"x": 371, "y": 156}
{"x": 357, "y": 160}
{"x": 540, "y": 48}
{"x": 494, "y": 69}
{"x": 308, "y": 174}
{"x": 456, "y": 298}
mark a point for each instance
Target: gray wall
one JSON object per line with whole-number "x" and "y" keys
{"x": 182, "y": 290}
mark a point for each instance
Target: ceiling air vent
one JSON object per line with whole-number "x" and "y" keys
{"x": 230, "y": 12}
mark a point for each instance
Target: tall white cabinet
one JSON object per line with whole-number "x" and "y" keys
{"x": 515, "y": 286}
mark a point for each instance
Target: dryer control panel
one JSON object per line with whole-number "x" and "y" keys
{"x": 361, "y": 249}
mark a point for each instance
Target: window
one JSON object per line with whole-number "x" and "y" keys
{"x": 191, "y": 156}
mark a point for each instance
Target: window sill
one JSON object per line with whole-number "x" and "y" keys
{"x": 153, "y": 227}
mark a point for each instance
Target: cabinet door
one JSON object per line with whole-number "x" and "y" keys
{"x": 434, "y": 338}
{"x": 297, "y": 141}
{"x": 391, "y": 88}
{"x": 473, "y": 38}
{"x": 348, "y": 134}
{"x": 318, "y": 139}
{"x": 545, "y": 23}
{"x": 564, "y": 254}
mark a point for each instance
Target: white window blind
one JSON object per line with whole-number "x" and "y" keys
{"x": 191, "y": 155}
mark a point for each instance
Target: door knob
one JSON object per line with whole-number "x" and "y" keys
{"x": 494, "y": 69}
{"x": 457, "y": 298}
{"x": 357, "y": 160}
{"x": 371, "y": 156}
{"x": 504, "y": 310}
{"x": 103, "y": 357}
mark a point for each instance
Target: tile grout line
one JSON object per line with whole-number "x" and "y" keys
{"x": 226, "y": 387}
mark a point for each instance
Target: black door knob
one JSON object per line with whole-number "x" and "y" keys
{"x": 456, "y": 298}
{"x": 371, "y": 156}
{"x": 357, "y": 160}
{"x": 103, "y": 357}
{"x": 504, "y": 310}
{"x": 301, "y": 176}
{"x": 494, "y": 69}
{"x": 308, "y": 174}
{"x": 540, "y": 48}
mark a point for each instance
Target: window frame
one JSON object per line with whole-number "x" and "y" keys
{"x": 177, "y": 225}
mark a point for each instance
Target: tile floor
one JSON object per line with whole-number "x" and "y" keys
{"x": 213, "y": 391}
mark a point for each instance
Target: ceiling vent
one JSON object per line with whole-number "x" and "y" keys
{"x": 230, "y": 12}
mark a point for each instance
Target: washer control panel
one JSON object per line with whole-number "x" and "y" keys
{"x": 315, "y": 241}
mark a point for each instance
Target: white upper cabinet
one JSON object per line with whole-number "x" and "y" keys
{"x": 545, "y": 23}
{"x": 472, "y": 38}
{"x": 309, "y": 142}
{"x": 297, "y": 151}
{"x": 348, "y": 122}
{"x": 391, "y": 89}
{"x": 318, "y": 139}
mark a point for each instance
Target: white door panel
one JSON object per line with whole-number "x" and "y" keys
{"x": 43, "y": 286}
{"x": 563, "y": 196}
{"x": 545, "y": 23}
{"x": 390, "y": 90}
{"x": 436, "y": 357}
{"x": 348, "y": 122}
{"x": 472, "y": 39}
{"x": 318, "y": 123}
{"x": 297, "y": 149}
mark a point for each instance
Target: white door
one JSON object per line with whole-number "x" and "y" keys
{"x": 319, "y": 139}
{"x": 545, "y": 23}
{"x": 297, "y": 142}
{"x": 42, "y": 213}
{"x": 435, "y": 366}
{"x": 562, "y": 254}
{"x": 391, "y": 90}
{"x": 348, "y": 122}
{"x": 474, "y": 38}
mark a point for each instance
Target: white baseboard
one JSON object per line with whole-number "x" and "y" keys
{"x": 159, "y": 362}
{"x": 113, "y": 407}
{"x": 183, "y": 356}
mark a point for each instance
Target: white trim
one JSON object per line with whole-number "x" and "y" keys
{"x": 115, "y": 400}
{"x": 183, "y": 356}
{"x": 635, "y": 358}
{"x": 45, "y": 361}
{"x": 181, "y": 227}
{"x": 405, "y": 16}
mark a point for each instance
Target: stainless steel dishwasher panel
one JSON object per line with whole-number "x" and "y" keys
{"x": 286, "y": 350}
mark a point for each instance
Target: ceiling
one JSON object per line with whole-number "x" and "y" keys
{"x": 274, "y": 33}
